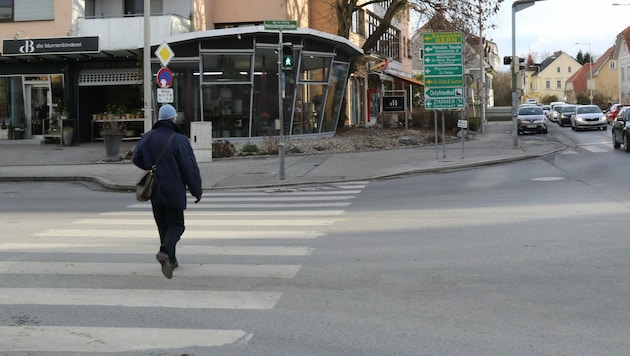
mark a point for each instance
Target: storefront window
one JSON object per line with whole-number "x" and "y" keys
{"x": 11, "y": 100}
{"x": 315, "y": 67}
{"x": 265, "y": 97}
{"x": 308, "y": 109}
{"x": 221, "y": 67}
{"x": 227, "y": 106}
{"x": 337, "y": 87}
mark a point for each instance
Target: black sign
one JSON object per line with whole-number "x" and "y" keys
{"x": 60, "y": 45}
{"x": 393, "y": 103}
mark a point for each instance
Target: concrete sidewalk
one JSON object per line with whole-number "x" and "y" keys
{"x": 28, "y": 160}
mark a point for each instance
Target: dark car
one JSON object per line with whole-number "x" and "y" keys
{"x": 621, "y": 129}
{"x": 564, "y": 116}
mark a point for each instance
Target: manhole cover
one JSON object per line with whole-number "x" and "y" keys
{"x": 547, "y": 179}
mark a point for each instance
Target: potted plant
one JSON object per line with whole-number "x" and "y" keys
{"x": 112, "y": 132}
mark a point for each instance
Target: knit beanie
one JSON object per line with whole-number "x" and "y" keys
{"x": 167, "y": 112}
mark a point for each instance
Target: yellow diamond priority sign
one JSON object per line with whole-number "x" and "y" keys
{"x": 164, "y": 53}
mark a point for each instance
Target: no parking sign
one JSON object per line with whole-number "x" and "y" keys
{"x": 164, "y": 78}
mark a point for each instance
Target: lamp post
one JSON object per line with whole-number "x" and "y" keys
{"x": 516, "y": 7}
{"x": 590, "y": 64}
{"x": 146, "y": 66}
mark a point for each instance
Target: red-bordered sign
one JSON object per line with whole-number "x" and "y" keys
{"x": 164, "y": 78}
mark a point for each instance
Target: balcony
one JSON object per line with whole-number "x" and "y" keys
{"x": 118, "y": 33}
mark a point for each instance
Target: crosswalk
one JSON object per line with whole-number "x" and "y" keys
{"x": 593, "y": 148}
{"x": 107, "y": 261}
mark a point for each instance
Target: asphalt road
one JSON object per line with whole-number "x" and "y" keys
{"x": 526, "y": 258}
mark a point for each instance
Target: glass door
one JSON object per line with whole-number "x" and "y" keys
{"x": 37, "y": 109}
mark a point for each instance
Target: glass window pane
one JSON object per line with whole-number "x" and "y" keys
{"x": 226, "y": 67}
{"x": 336, "y": 90}
{"x": 314, "y": 68}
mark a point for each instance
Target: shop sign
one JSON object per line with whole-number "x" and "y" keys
{"x": 40, "y": 46}
{"x": 393, "y": 103}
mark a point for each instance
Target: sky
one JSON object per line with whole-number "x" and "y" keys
{"x": 553, "y": 25}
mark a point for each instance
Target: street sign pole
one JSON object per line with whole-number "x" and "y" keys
{"x": 282, "y": 173}
{"x": 279, "y": 25}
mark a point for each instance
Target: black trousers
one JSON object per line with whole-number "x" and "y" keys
{"x": 170, "y": 224}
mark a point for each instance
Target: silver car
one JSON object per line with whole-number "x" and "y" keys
{"x": 588, "y": 117}
{"x": 531, "y": 119}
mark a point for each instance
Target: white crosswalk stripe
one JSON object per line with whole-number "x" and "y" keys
{"x": 258, "y": 234}
{"x": 594, "y": 148}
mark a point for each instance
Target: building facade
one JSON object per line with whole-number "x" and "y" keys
{"x": 79, "y": 63}
{"x": 548, "y": 77}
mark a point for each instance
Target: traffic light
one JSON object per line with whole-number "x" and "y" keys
{"x": 518, "y": 64}
{"x": 507, "y": 60}
{"x": 287, "y": 56}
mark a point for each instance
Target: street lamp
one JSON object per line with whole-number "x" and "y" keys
{"x": 516, "y": 7}
{"x": 590, "y": 64}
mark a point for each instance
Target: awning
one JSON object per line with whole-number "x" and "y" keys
{"x": 382, "y": 77}
{"x": 407, "y": 79}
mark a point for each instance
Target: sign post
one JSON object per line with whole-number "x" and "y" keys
{"x": 443, "y": 76}
{"x": 280, "y": 25}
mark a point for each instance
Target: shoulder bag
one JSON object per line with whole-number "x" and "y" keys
{"x": 144, "y": 186}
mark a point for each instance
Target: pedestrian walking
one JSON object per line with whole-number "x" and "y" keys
{"x": 176, "y": 172}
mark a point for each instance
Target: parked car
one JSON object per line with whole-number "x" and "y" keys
{"x": 620, "y": 128}
{"x": 611, "y": 114}
{"x": 588, "y": 117}
{"x": 564, "y": 116}
{"x": 531, "y": 119}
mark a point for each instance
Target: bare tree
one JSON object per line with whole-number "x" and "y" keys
{"x": 460, "y": 15}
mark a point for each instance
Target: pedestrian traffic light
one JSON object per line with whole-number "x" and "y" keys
{"x": 507, "y": 60}
{"x": 287, "y": 56}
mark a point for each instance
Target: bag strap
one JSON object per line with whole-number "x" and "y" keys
{"x": 154, "y": 167}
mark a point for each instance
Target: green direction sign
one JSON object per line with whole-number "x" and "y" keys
{"x": 441, "y": 70}
{"x": 444, "y": 92}
{"x": 280, "y": 25}
{"x": 443, "y": 59}
{"x": 445, "y": 103}
{"x": 442, "y": 37}
{"x": 455, "y": 81}
{"x": 453, "y": 48}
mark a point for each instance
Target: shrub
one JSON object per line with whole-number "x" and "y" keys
{"x": 223, "y": 149}
{"x": 250, "y": 148}
{"x": 271, "y": 145}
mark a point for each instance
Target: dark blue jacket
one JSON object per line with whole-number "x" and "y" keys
{"x": 177, "y": 168}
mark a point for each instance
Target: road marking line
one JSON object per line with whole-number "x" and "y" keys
{"x": 66, "y": 339}
{"x": 148, "y": 269}
{"x": 154, "y": 298}
{"x": 192, "y": 234}
{"x": 203, "y": 205}
{"x": 297, "y": 192}
{"x": 257, "y": 213}
{"x": 128, "y": 249}
{"x": 204, "y": 222}
{"x": 594, "y": 149}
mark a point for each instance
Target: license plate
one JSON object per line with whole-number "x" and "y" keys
{"x": 531, "y": 126}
